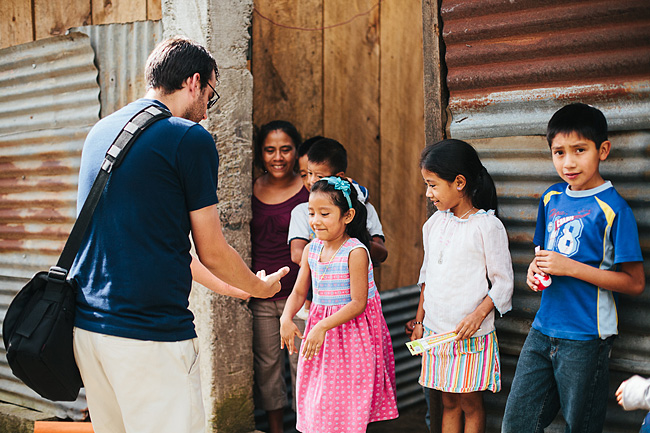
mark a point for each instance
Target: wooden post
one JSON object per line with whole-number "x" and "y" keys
{"x": 435, "y": 120}
{"x": 435, "y": 71}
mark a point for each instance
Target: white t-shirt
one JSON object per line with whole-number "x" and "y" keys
{"x": 460, "y": 256}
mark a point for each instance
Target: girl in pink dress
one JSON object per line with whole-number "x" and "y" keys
{"x": 346, "y": 369}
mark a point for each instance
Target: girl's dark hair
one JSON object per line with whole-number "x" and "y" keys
{"x": 357, "y": 227}
{"x": 174, "y": 60}
{"x": 449, "y": 158}
{"x": 265, "y": 130}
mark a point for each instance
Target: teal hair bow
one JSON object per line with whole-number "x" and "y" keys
{"x": 340, "y": 185}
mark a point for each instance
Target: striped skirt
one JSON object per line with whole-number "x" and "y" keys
{"x": 463, "y": 366}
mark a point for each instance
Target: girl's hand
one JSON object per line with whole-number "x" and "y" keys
{"x": 418, "y": 332}
{"x": 288, "y": 331}
{"x": 408, "y": 327}
{"x": 619, "y": 393}
{"x": 469, "y": 326}
{"x": 530, "y": 277}
{"x": 472, "y": 322}
{"x": 313, "y": 342}
{"x": 553, "y": 263}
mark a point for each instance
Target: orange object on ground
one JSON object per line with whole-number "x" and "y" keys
{"x": 62, "y": 427}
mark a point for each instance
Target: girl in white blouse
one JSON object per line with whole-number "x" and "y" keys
{"x": 465, "y": 275}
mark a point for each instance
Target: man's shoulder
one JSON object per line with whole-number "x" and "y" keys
{"x": 171, "y": 133}
{"x": 125, "y": 113}
{"x": 174, "y": 128}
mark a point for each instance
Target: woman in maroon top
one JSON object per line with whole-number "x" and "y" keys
{"x": 275, "y": 193}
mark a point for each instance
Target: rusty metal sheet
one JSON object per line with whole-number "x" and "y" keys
{"x": 121, "y": 52}
{"x": 49, "y": 99}
{"x": 48, "y": 102}
{"x": 512, "y": 64}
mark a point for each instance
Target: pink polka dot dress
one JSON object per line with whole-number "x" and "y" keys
{"x": 351, "y": 382}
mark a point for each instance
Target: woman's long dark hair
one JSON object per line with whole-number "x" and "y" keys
{"x": 449, "y": 158}
{"x": 357, "y": 227}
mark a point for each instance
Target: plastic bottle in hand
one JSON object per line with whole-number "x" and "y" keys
{"x": 543, "y": 281}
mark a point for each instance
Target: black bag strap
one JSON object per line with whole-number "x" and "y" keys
{"x": 114, "y": 156}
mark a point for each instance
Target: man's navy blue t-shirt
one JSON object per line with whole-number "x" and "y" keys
{"x": 133, "y": 268}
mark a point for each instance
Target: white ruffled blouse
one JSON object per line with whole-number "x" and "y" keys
{"x": 464, "y": 261}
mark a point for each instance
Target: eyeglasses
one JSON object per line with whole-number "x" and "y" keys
{"x": 214, "y": 99}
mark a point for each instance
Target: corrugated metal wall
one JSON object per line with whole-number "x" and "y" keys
{"x": 121, "y": 52}
{"x": 511, "y": 64}
{"x": 49, "y": 99}
{"x": 399, "y": 306}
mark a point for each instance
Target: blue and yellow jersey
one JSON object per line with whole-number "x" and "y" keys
{"x": 595, "y": 227}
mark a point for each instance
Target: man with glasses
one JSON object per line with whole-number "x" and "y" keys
{"x": 135, "y": 342}
{"x": 215, "y": 96}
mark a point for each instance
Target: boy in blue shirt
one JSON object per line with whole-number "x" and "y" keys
{"x": 590, "y": 247}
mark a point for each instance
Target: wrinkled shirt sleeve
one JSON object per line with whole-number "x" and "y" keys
{"x": 426, "y": 229}
{"x": 636, "y": 394}
{"x": 299, "y": 223}
{"x": 499, "y": 265}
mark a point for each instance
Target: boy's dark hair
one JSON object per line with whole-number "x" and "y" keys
{"x": 586, "y": 121}
{"x": 266, "y": 129}
{"x": 357, "y": 228}
{"x": 449, "y": 158}
{"x": 174, "y": 60}
{"x": 330, "y": 152}
{"x": 306, "y": 145}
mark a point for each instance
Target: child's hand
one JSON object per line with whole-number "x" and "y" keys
{"x": 408, "y": 327}
{"x": 619, "y": 393}
{"x": 468, "y": 326}
{"x": 288, "y": 331}
{"x": 313, "y": 342}
{"x": 530, "y": 277}
{"x": 553, "y": 263}
{"x": 418, "y": 332}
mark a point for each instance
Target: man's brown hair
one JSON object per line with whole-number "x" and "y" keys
{"x": 174, "y": 60}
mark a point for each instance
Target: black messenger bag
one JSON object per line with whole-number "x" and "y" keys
{"x": 37, "y": 329}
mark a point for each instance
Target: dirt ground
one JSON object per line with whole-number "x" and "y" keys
{"x": 410, "y": 420}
